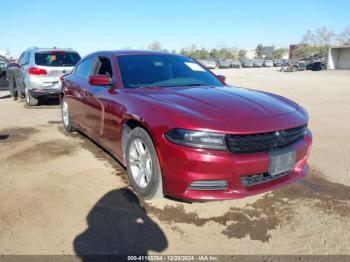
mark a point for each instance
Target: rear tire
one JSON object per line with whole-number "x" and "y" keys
{"x": 66, "y": 116}
{"x": 143, "y": 166}
{"x": 30, "y": 100}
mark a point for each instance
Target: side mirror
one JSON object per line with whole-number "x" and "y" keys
{"x": 99, "y": 80}
{"x": 221, "y": 78}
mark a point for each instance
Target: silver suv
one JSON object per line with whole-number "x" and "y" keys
{"x": 41, "y": 69}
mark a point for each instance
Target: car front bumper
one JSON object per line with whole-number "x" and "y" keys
{"x": 181, "y": 166}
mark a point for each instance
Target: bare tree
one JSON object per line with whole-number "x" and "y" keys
{"x": 155, "y": 46}
{"x": 324, "y": 36}
{"x": 344, "y": 37}
{"x": 308, "y": 38}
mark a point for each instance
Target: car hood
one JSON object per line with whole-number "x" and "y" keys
{"x": 220, "y": 103}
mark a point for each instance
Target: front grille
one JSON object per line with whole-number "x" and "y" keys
{"x": 253, "y": 180}
{"x": 265, "y": 142}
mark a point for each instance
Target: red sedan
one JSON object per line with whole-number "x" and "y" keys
{"x": 180, "y": 130}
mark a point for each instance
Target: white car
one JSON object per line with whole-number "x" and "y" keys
{"x": 268, "y": 63}
{"x": 41, "y": 69}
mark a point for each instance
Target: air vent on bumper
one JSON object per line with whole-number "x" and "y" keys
{"x": 209, "y": 185}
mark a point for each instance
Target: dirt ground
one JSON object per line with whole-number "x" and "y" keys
{"x": 61, "y": 194}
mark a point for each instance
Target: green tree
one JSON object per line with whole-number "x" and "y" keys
{"x": 242, "y": 54}
{"x": 214, "y": 53}
{"x": 308, "y": 51}
{"x": 279, "y": 52}
{"x": 259, "y": 50}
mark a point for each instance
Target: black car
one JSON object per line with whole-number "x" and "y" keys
{"x": 3, "y": 63}
{"x": 277, "y": 63}
{"x": 316, "y": 66}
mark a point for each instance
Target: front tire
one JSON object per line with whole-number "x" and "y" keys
{"x": 66, "y": 117}
{"x": 30, "y": 100}
{"x": 143, "y": 166}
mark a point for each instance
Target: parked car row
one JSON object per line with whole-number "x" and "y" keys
{"x": 246, "y": 63}
{"x": 295, "y": 65}
{"x": 284, "y": 64}
{"x": 178, "y": 128}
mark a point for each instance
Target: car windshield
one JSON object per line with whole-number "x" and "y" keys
{"x": 146, "y": 70}
{"x": 57, "y": 58}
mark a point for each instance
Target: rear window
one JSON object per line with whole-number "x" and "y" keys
{"x": 57, "y": 58}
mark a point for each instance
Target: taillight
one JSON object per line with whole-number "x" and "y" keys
{"x": 37, "y": 71}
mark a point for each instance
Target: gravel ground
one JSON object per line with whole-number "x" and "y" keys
{"x": 61, "y": 194}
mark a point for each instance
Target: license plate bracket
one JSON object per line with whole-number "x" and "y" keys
{"x": 281, "y": 161}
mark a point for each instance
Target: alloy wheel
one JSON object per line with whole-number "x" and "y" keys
{"x": 65, "y": 113}
{"x": 140, "y": 163}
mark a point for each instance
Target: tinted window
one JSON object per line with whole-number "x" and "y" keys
{"x": 84, "y": 68}
{"x": 163, "y": 71}
{"x": 57, "y": 58}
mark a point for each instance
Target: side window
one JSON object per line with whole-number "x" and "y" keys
{"x": 25, "y": 58}
{"x": 20, "y": 59}
{"x": 103, "y": 67}
{"x": 84, "y": 68}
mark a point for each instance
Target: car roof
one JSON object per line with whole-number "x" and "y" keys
{"x": 37, "y": 49}
{"x": 131, "y": 52}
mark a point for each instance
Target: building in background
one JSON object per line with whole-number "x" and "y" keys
{"x": 339, "y": 57}
{"x": 269, "y": 50}
{"x": 292, "y": 49}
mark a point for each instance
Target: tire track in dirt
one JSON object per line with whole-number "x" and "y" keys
{"x": 273, "y": 210}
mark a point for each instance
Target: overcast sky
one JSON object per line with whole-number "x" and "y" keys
{"x": 88, "y": 26}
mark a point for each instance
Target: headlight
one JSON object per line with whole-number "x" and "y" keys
{"x": 197, "y": 139}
